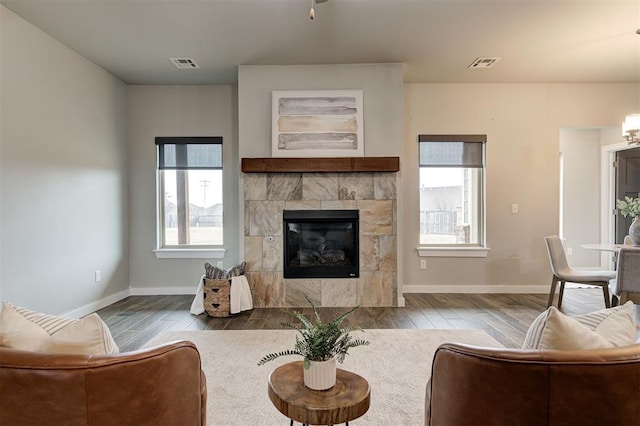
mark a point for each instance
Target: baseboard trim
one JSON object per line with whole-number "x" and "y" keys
{"x": 512, "y": 289}
{"x": 99, "y": 304}
{"x": 167, "y": 291}
{"x": 162, "y": 291}
{"x": 131, "y": 291}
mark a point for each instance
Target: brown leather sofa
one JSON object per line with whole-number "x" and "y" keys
{"x": 487, "y": 386}
{"x": 164, "y": 385}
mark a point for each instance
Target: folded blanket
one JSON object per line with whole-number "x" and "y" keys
{"x": 241, "y": 299}
{"x": 240, "y": 296}
{"x": 197, "y": 306}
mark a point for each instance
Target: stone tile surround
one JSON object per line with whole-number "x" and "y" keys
{"x": 266, "y": 195}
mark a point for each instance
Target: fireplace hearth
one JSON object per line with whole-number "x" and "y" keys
{"x": 321, "y": 243}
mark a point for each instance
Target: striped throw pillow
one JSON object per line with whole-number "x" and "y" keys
{"x": 213, "y": 272}
{"x": 605, "y": 328}
{"x": 616, "y": 324}
{"x": 24, "y": 329}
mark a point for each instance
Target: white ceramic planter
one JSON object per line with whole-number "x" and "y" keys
{"x": 320, "y": 375}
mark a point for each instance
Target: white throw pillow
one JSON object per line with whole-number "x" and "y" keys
{"x": 23, "y": 329}
{"x": 553, "y": 330}
{"x": 617, "y": 324}
{"x": 602, "y": 329}
{"x": 18, "y": 332}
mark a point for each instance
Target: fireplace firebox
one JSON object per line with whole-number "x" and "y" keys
{"x": 321, "y": 244}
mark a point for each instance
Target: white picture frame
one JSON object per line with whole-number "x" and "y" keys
{"x": 317, "y": 123}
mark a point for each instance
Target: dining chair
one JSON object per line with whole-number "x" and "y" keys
{"x": 627, "y": 275}
{"x": 563, "y": 273}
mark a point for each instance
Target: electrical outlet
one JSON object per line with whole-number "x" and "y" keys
{"x": 98, "y": 276}
{"x": 423, "y": 264}
{"x": 514, "y": 208}
{"x": 569, "y": 251}
{"x": 220, "y": 264}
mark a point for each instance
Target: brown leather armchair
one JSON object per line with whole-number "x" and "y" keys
{"x": 164, "y": 385}
{"x": 487, "y": 386}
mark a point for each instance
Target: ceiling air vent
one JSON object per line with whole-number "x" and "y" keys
{"x": 483, "y": 62}
{"x": 184, "y": 63}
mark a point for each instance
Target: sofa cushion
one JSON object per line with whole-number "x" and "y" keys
{"x": 23, "y": 329}
{"x": 213, "y": 272}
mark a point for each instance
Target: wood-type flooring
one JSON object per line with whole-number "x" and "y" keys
{"x": 135, "y": 320}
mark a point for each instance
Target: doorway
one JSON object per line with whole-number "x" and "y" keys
{"x": 627, "y": 177}
{"x": 612, "y": 230}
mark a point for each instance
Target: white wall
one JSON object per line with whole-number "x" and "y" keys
{"x": 611, "y": 135}
{"x": 580, "y": 149}
{"x": 522, "y": 123}
{"x": 176, "y": 111}
{"x": 63, "y": 175}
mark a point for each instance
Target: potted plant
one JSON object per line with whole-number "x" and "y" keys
{"x": 321, "y": 345}
{"x": 631, "y": 207}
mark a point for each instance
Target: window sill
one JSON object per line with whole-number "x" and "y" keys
{"x": 453, "y": 251}
{"x": 190, "y": 253}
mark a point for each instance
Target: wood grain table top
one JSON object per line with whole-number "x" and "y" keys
{"x": 347, "y": 400}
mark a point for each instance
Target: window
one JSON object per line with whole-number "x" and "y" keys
{"x": 189, "y": 191}
{"x": 452, "y": 190}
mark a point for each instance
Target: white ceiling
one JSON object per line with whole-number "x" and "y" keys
{"x": 436, "y": 40}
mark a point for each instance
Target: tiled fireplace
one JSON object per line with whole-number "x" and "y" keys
{"x": 371, "y": 194}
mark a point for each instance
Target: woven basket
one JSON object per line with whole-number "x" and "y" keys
{"x": 216, "y": 297}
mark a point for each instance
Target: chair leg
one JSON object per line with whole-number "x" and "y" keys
{"x": 624, "y": 296}
{"x": 614, "y": 300}
{"x": 561, "y": 294}
{"x": 605, "y": 290}
{"x": 552, "y": 292}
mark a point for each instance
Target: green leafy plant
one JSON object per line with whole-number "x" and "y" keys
{"x": 629, "y": 206}
{"x": 319, "y": 341}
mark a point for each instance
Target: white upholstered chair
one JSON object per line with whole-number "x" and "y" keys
{"x": 627, "y": 275}
{"x": 563, "y": 273}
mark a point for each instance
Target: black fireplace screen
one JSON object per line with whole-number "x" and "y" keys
{"x": 321, "y": 244}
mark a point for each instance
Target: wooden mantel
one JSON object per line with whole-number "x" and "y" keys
{"x": 315, "y": 165}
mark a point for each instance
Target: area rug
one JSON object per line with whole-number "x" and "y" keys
{"x": 397, "y": 364}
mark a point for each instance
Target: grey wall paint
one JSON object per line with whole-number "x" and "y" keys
{"x": 522, "y": 123}
{"x": 176, "y": 111}
{"x": 63, "y": 168}
{"x": 382, "y": 99}
{"x": 382, "y": 108}
{"x": 611, "y": 135}
{"x": 580, "y": 150}
{"x": 63, "y": 174}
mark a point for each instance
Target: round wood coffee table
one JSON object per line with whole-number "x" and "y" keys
{"x": 347, "y": 400}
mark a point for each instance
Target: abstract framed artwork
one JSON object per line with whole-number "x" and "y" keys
{"x": 317, "y": 123}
